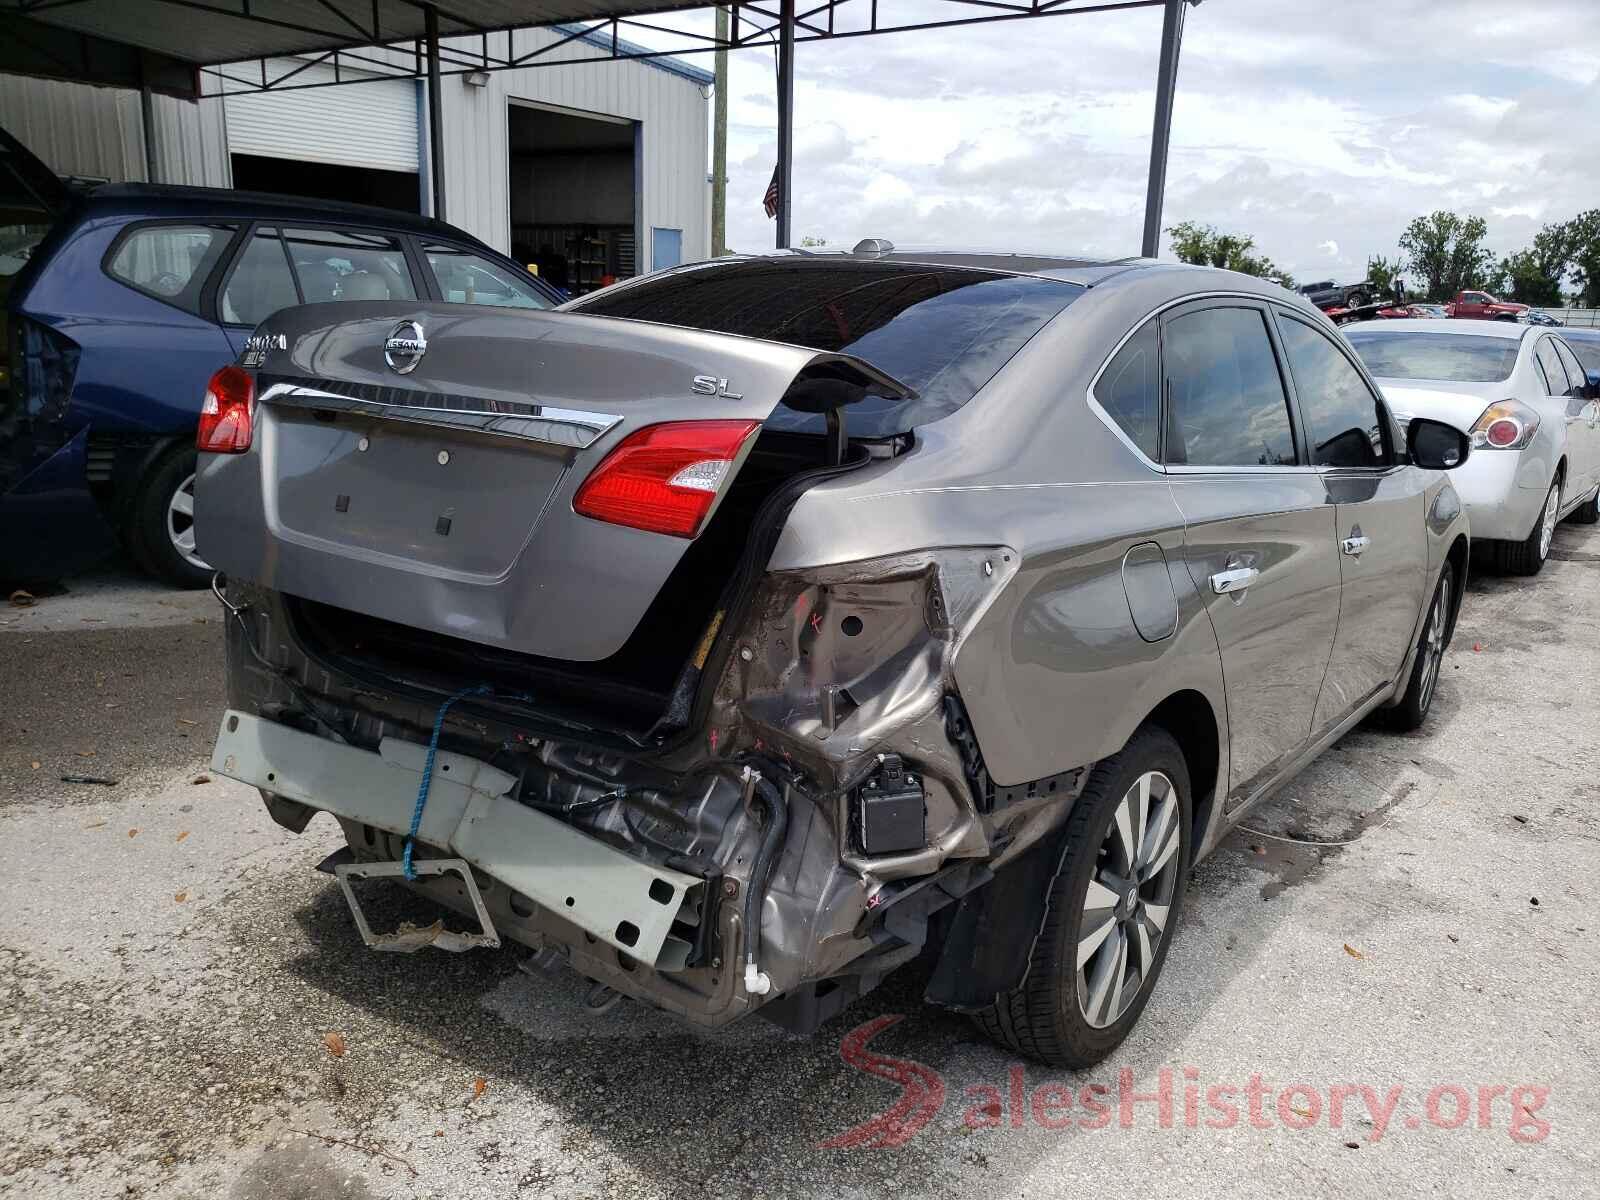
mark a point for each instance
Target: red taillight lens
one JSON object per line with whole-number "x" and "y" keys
{"x": 225, "y": 417}
{"x": 664, "y": 478}
{"x": 1502, "y": 433}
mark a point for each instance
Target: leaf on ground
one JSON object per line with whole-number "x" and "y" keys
{"x": 86, "y": 753}
{"x": 479, "y": 1087}
{"x": 181, "y": 836}
{"x": 22, "y": 599}
{"x": 334, "y": 1042}
{"x": 201, "y": 779}
{"x": 180, "y": 897}
{"x": 1352, "y": 951}
{"x": 95, "y": 825}
{"x": 34, "y": 765}
{"x": 133, "y": 833}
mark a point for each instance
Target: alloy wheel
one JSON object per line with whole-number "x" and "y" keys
{"x": 1128, "y": 899}
{"x": 1433, "y": 644}
{"x": 180, "y": 524}
{"x": 1547, "y": 528}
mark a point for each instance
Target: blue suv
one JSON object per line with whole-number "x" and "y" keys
{"x": 118, "y": 303}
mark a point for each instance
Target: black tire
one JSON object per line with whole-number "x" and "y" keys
{"x": 1588, "y": 512}
{"x": 1423, "y": 685}
{"x": 1355, "y": 299}
{"x": 1044, "y": 1017}
{"x": 148, "y": 536}
{"x": 1527, "y": 557}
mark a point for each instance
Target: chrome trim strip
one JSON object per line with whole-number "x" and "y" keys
{"x": 569, "y": 427}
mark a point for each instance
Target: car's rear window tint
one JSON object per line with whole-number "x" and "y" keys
{"x": 942, "y": 331}
{"x": 1455, "y": 357}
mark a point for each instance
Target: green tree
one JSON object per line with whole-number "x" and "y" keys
{"x": 1445, "y": 253}
{"x": 1384, "y": 275}
{"x": 1535, "y": 275}
{"x": 1207, "y": 246}
{"x": 1584, "y": 234}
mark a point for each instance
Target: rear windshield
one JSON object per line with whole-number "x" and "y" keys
{"x": 942, "y": 331}
{"x": 1456, "y": 357}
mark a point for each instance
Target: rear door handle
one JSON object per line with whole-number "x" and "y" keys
{"x": 1353, "y": 546}
{"x": 1234, "y": 580}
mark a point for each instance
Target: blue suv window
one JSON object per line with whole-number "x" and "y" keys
{"x": 346, "y": 265}
{"x": 260, "y": 284}
{"x": 169, "y": 262}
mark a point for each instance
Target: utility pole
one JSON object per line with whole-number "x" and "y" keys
{"x": 1161, "y": 134}
{"x": 719, "y": 142}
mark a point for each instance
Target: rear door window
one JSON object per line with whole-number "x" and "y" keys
{"x": 1345, "y": 422}
{"x": 1556, "y": 382}
{"x": 169, "y": 262}
{"x": 260, "y": 283}
{"x": 1575, "y": 369}
{"x": 347, "y": 265}
{"x": 1130, "y": 390}
{"x": 1226, "y": 402}
{"x": 943, "y": 331}
{"x": 467, "y": 278}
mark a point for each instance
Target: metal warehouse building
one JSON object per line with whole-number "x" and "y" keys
{"x": 590, "y": 171}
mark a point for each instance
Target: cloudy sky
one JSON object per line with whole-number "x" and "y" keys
{"x": 1318, "y": 126}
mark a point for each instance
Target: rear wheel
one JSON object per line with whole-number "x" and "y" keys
{"x": 1588, "y": 512}
{"x": 1527, "y": 556}
{"x": 1355, "y": 300}
{"x": 1413, "y": 708}
{"x": 161, "y": 522}
{"x": 1113, "y": 907}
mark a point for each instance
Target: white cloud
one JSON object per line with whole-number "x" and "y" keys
{"x": 1320, "y": 129}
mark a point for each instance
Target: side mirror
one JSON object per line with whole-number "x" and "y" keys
{"x": 1435, "y": 446}
{"x": 1594, "y": 385}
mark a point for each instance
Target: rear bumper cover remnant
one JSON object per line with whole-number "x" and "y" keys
{"x": 628, "y": 903}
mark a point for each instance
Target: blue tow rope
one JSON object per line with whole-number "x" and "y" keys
{"x": 482, "y": 689}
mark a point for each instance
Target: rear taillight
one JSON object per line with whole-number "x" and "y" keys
{"x": 1506, "y": 425}
{"x": 228, "y": 412}
{"x": 664, "y": 478}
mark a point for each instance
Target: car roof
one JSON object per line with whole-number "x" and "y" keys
{"x": 171, "y": 200}
{"x": 1502, "y": 329}
{"x": 1072, "y": 268}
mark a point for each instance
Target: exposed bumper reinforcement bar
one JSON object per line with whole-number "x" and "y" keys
{"x": 623, "y": 901}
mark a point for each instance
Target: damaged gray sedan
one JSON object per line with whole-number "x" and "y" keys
{"x": 740, "y": 633}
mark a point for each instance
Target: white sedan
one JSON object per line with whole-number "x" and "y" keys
{"x": 1533, "y": 415}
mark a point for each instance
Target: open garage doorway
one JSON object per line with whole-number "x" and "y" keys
{"x": 323, "y": 181}
{"x": 574, "y": 195}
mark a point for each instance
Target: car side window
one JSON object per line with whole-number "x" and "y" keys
{"x": 260, "y": 284}
{"x": 1555, "y": 375}
{"x": 467, "y": 278}
{"x": 169, "y": 262}
{"x": 1344, "y": 420}
{"x": 347, "y": 265}
{"x": 1129, "y": 390}
{"x": 1577, "y": 377}
{"x": 1226, "y": 405}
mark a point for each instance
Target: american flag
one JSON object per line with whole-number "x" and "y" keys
{"x": 770, "y": 200}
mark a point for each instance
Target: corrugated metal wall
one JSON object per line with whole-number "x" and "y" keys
{"x": 98, "y": 132}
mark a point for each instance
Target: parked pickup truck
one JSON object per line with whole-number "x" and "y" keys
{"x": 1480, "y": 306}
{"x": 1326, "y": 294}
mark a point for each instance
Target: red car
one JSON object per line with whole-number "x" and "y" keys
{"x": 1480, "y": 306}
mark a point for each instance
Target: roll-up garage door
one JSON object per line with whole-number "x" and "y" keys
{"x": 355, "y": 125}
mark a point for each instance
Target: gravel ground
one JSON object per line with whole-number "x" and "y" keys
{"x": 172, "y": 973}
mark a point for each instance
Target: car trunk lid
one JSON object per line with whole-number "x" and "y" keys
{"x": 419, "y": 463}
